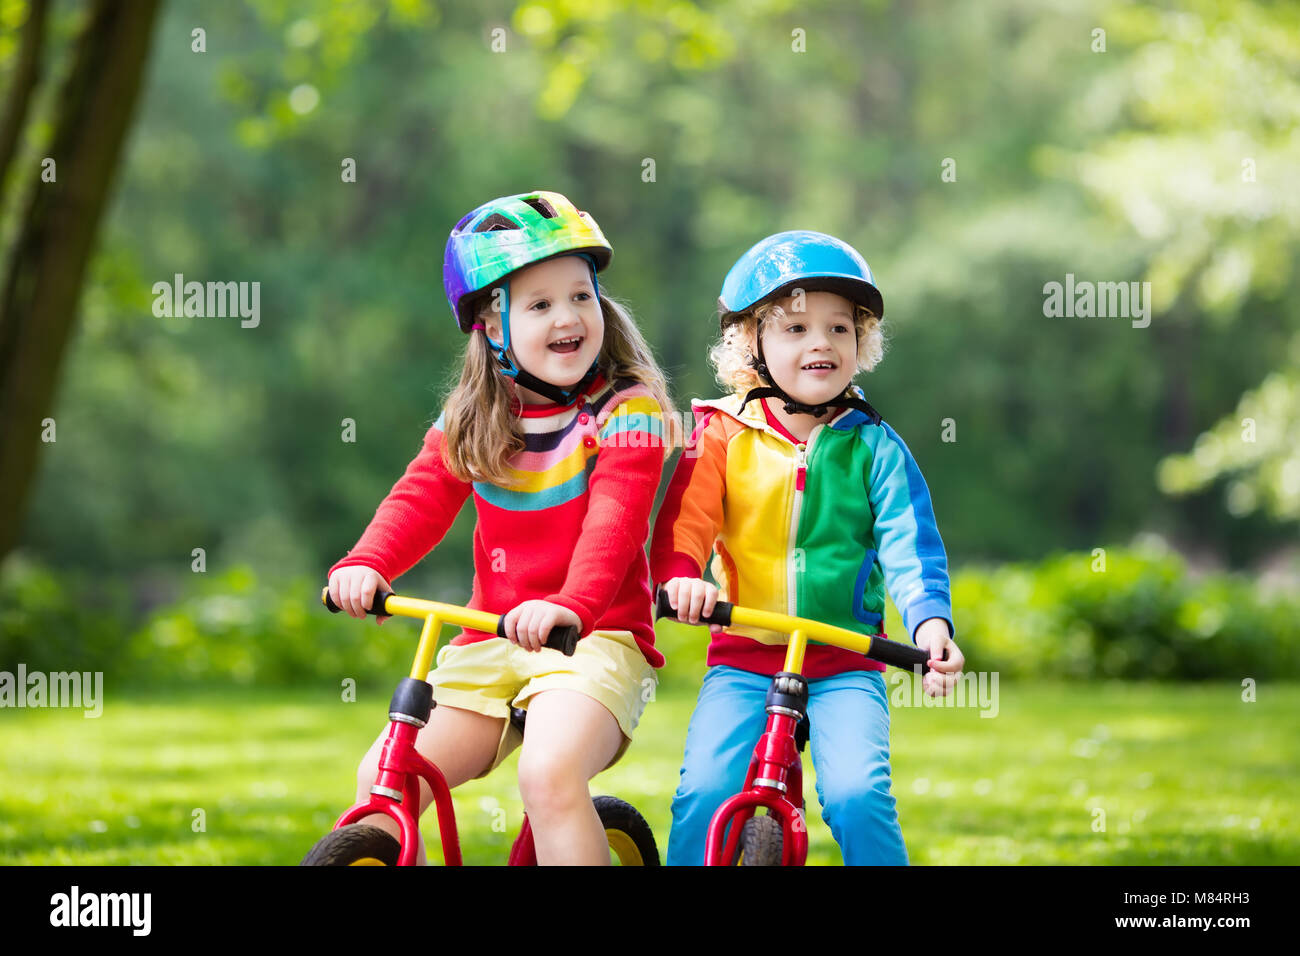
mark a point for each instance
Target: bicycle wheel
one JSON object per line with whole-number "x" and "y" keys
{"x": 631, "y": 840}
{"x": 355, "y": 845}
{"x": 761, "y": 842}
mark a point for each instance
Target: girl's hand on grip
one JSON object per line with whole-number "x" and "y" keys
{"x": 529, "y": 624}
{"x": 353, "y": 589}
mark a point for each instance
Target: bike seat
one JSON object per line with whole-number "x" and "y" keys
{"x": 517, "y": 717}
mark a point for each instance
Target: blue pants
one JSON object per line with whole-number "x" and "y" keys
{"x": 849, "y": 717}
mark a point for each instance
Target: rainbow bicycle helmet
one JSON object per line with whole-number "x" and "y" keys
{"x": 800, "y": 259}
{"x": 504, "y": 235}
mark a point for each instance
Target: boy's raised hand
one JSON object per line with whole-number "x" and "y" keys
{"x": 692, "y": 598}
{"x": 933, "y": 636}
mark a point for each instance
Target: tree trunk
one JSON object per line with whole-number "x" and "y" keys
{"x": 26, "y": 75}
{"x": 47, "y": 264}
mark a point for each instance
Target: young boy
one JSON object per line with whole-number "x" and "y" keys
{"x": 811, "y": 505}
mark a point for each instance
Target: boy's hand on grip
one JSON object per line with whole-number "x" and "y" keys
{"x": 946, "y": 659}
{"x": 692, "y": 599}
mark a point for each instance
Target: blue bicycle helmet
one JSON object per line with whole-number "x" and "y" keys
{"x": 774, "y": 267}
{"x": 801, "y": 258}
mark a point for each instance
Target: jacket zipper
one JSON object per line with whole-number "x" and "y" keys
{"x": 791, "y": 584}
{"x": 800, "y": 474}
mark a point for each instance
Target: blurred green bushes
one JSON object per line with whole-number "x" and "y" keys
{"x": 1141, "y": 616}
{"x": 225, "y": 627}
{"x": 60, "y": 622}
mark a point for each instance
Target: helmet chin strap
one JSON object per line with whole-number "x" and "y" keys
{"x": 846, "y": 398}
{"x": 526, "y": 379}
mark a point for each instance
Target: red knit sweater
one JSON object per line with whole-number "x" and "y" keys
{"x": 573, "y": 531}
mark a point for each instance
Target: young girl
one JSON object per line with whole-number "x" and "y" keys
{"x": 556, "y": 429}
{"x": 812, "y": 505}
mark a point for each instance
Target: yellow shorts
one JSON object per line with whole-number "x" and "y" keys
{"x": 490, "y": 677}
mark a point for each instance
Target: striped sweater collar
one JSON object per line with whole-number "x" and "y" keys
{"x": 546, "y": 409}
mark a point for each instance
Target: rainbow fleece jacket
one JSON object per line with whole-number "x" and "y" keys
{"x": 816, "y": 530}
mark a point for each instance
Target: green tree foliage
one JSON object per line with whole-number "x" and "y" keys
{"x": 690, "y": 131}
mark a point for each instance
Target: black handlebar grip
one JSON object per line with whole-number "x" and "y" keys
{"x": 563, "y": 639}
{"x": 662, "y": 607}
{"x": 721, "y": 610}
{"x": 896, "y": 654}
{"x": 377, "y": 606}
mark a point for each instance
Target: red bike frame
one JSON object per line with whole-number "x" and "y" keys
{"x": 775, "y": 772}
{"x": 775, "y": 776}
{"x": 400, "y": 768}
{"x": 396, "y": 790}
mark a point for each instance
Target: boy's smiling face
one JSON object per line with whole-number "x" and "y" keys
{"x": 813, "y": 354}
{"x": 556, "y": 326}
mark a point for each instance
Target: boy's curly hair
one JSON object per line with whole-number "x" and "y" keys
{"x": 732, "y": 353}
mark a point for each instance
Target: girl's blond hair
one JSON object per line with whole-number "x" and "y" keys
{"x": 732, "y": 353}
{"x": 480, "y": 415}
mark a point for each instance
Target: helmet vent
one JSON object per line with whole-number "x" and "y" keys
{"x": 542, "y": 206}
{"x": 495, "y": 222}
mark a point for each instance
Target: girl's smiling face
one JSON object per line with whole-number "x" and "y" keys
{"x": 813, "y": 354}
{"x": 556, "y": 325}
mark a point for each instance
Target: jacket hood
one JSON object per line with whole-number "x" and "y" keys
{"x": 753, "y": 414}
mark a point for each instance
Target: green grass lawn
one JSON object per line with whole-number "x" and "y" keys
{"x": 1185, "y": 774}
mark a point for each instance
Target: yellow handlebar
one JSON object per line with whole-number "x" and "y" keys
{"x": 386, "y": 602}
{"x": 802, "y": 630}
{"x": 435, "y": 614}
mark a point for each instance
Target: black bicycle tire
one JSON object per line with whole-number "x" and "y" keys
{"x": 347, "y": 845}
{"x": 620, "y": 817}
{"x": 762, "y": 842}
